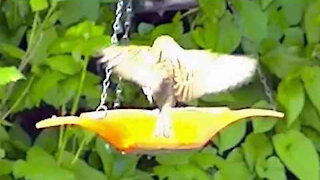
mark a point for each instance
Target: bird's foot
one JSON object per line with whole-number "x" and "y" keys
{"x": 163, "y": 128}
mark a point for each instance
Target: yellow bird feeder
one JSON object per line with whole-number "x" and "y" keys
{"x": 131, "y": 130}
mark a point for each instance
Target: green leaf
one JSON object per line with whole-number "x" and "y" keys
{"x": 272, "y": 169}
{"x": 65, "y": 45}
{"x": 19, "y": 138}
{"x": 277, "y": 21}
{"x": 298, "y": 154}
{"x": 213, "y": 9}
{"x": 40, "y": 166}
{"x": 75, "y": 10}
{"x": 48, "y": 37}
{"x": 231, "y": 136}
{"x": 311, "y": 22}
{"x": 174, "y": 29}
{"x": 314, "y": 136}
{"x": 206, "y": 158}
{"x": 293, "y": 10}
{"x": 64, "y": 63}
{"x": 256, "y": 148}
{"x": 85, "y": 30}
{"x": 265, "y": 3}
{"x": 9, "y": 74}
{"x": 81, "y": 169}
{"x": 311, "y": 80}
{"x": 94, "y": 45}
{"x": 263, "y": 124}
{"x": 47, "y": 140}
{"x": 234, "y": 168}
{"x": 291, "y": 96}
{"x": 174, "y": 158}
{"x": 145, "y": 28}
{"x": 6, "y": 167}
{"x": 252, "y": 19}
{"x": 38, "y": 5}
{"x": 3, "y": 135}
{"x": 184, "y": 171}
{"x": 2, "y": 153}
{"x": 294, "y": 37}
{"x": 213, "y": 35}
{"x": 187, "y": 42}
{"x": 12, "y": 51}
{"x": 42, "y": 87}
{"x": 278, "y": 59}
{"x": 63, "y": 92}
{"x": 309, "y": 116}
{"x": 106, "y": 156}
{"x": 116, "y": 165}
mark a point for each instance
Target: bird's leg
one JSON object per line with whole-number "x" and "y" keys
{"x": 164, "y": 124}
{"x": 164, "y": 99}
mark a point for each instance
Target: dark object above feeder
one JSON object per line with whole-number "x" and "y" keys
{"x": 161, "y": 6}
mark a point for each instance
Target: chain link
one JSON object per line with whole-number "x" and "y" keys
{"x": 117, "y": 29}
{"x": 267, "y": 89}
{"x": 117, "y": 101}
{"x": 127, "y": 23}
{"x": 104, "y": 94}
{"x": 117, "y": 26}
{"x": 127, "y": 26}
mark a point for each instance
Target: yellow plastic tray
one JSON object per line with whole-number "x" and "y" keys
{"x": 133, "y": 129}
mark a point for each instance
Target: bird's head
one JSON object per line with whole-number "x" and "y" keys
{"x": 164, "y": 40}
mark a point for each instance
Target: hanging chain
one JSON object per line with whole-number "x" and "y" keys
{"x": 117, "y": 26}
{"x": 104, "y": 94}
{"x": 267, "y": 89}
{"x": 127, "y": 23}
{"x": 117, "y": 29}
{"x": 117, "y": 101}
{"x": 127, "y": 26}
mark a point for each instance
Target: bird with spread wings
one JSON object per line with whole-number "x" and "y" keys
{"x": 169, "y": 74}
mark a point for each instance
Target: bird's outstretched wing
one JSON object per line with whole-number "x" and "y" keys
{"x": 138, "y": 64}
{"x": 202, "y": 72}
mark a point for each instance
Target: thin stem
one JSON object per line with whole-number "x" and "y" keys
{"x": 76, "y": 157}
{"x": 23, "y": 59}
{"x": 139, "y": 176}
{"x": 61, "y": 128}
{"x": 83, "y": 76}
{"x": 74, "y": 106}
{"x": 22, "y": 95}
{"x": 191, "y": 11}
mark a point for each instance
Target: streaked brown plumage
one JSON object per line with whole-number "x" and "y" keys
{"x": 173, "y": 74}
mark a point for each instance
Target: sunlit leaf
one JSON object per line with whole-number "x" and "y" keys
{"x": 38, "y": 5}
{"x": 64, "y": 63}
{"x": 262, "y": 124}
{"x": 74, "y": 10}
{"x": 311, "y": 22}
{"x": 9, "y": 74}
{"x": 271, "y": 169}
{"x": 311, "y": 80}
{"x": 298, "y": 154}
{"x": 256, "y": 148}
{"x": 6, "y": 166}
{"x": 40, "y": 166}
{"x": 253, "y": 20}
{"x": 81, "y": 169}
{"x": 231, "y": 136}
{"x": 291, "y": 96}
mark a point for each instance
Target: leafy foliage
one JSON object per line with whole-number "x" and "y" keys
{"x": 45, "y": 50}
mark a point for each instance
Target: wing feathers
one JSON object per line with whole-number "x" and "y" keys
{"x": 211, "y": 73}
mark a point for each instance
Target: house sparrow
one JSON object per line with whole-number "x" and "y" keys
{"x": 170, "y": 74}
